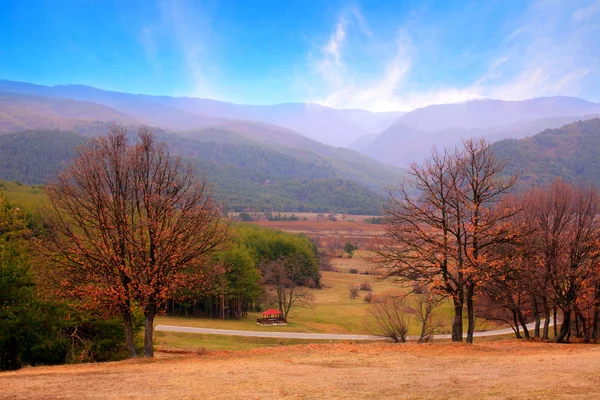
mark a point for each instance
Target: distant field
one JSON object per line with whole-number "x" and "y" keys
{"x": 505, "y": 369}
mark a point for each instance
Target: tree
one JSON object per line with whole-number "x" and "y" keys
{"x": 131, "y": 224}
{"x": 286, "y": 278}
{"x": 388, "y": 318}
{"x": 350, "y": 248}
{"x": 423, "y": 309}
{"x": 445, "y": 237}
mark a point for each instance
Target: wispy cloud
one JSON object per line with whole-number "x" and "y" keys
{"x": 183, "y": 28}
{"x": 553, "y": 51}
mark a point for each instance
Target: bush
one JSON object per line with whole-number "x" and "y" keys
{"x": 244, "y": 216}
{"x": 353, "y": 289}
{"x": 353, "y": 271}
{"x": 366, "y": 287}
{"x": 368, "y": 297}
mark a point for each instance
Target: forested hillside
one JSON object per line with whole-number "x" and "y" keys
{"x": 35, "y": 156}
{"x": 570, "y": 152}
{"x": 245, "y": 175}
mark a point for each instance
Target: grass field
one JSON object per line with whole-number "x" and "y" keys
{"x": 498, "y": 370}
{"x": 334, "y": 312}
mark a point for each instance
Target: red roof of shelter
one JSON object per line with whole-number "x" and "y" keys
{"x": 271, "y": 311}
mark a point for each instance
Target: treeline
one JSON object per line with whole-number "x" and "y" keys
{"x": 516, "y": 258}
{"x": 245, "y": 282}
{"x": 552, "y": 264}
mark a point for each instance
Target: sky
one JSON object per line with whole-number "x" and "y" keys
{"x": 375, "y": 55}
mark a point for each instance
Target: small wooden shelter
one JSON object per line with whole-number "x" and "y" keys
{"x": 272, "y": 317}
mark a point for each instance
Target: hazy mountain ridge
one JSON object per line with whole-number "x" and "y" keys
{"x": 325, "y": 124}
{"x": 413, "y": 135}
{"x": 22, "y": 112}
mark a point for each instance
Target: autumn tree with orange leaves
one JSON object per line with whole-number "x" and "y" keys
{"x": 130, "y": 225}
{"x": 443, "y": 229}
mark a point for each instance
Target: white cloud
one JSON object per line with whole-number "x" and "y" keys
{"x": 552, "y": 52}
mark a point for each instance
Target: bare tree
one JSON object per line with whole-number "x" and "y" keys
{"x": 389, "y": 318}
{"x": 285, "y": 277}
{"x": 353, "y": 290}
{"x": 423, "y": 308}
{"x": 130, "y": 225}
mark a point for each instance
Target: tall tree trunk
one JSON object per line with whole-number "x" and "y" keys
{"x": 470, "y": 313}
{"x": 584, "y": 329}
{"x": 555, "y": 323}
{"x": 545, "y": 334}
{"x": 595, "y": 324}
{"x": 149, "y": 332}
{"x": 129, "y": 337}
{"x": 565, "y": 328}
{"x": 516, "y": 322}
{"x": 523, "y": 323}
{"x": 538, "y": 318}
{"x": 457, "y": 322}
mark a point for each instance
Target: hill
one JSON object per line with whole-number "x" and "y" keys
{"x": 413, "y": 135}
{"x": 22, "y": 112}
{"x": 325, "y": 124}
{"x": 570, "y": 152}
{"x": 246, "y": 174}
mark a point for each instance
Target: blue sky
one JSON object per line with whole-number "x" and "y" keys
{"x": 376, "y": 55}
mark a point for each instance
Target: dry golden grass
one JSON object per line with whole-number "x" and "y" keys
{"x": 505, "y": 369}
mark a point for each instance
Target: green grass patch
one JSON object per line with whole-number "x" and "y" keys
{"x": 195, "y": 341}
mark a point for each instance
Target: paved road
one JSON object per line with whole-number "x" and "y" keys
{"x": 321, "y": 336}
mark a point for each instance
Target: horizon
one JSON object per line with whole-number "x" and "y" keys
{"x": 344, "y": 55}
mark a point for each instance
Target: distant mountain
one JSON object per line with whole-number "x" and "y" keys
{"x": 413, "y": 135}
{"x": 21, "y": 112}
{"x": 485, "y": 114}
{"x": 570, "y": 152}
{"x": 324, "y": 124}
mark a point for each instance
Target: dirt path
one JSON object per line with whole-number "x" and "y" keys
{"x": 313, "y": 336}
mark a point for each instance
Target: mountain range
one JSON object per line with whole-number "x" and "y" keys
{"x": 412, "y": 136}
{"x": 266, "y": 157}
{"x": 324, "y": 124}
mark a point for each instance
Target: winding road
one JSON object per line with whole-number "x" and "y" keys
{"x": 313, "y": 336}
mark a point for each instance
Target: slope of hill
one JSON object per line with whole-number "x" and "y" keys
{"x": 35, "y": 156}
{"x": 325, "y": 124}
{"x": 246, "y": 175}
{"x": 413, "y": 135}
{"x": 21, "y": 112}
{"x": 570, "y": 152}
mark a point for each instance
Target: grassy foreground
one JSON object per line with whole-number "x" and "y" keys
{"x": 503, "y": 369}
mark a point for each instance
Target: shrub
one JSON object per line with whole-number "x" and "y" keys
{"x": 353, "y": 289}
{"x": 368, "y": 297}
{"x": 366, "y": 287}
{"x": 353, "y": 271}
{"x": 244, "y": 216}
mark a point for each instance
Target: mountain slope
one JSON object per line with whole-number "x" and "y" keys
{"x": 246, "y": 176}
{"x": 327, "y": 125}
{"x": 570, "y": 152}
